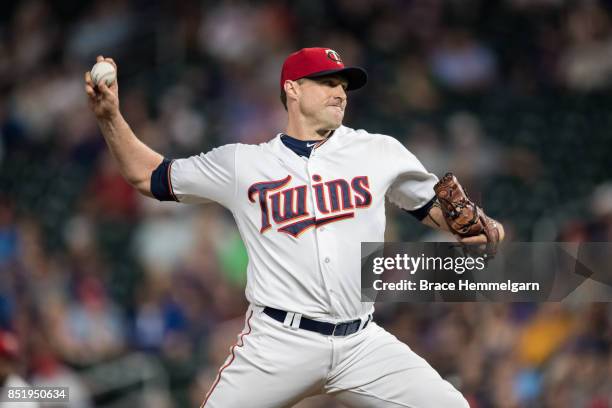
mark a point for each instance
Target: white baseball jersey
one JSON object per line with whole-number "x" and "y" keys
{"x": 303, "y": 219}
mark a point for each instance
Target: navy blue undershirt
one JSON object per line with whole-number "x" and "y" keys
{"x": 422, "y": 212}
{"x": 299, "y": 147}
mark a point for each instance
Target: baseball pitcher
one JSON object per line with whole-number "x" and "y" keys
{"x": 303, "y": 202}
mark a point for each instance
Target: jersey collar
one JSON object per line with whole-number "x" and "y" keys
{"x": 300, "y": 147}
{"x": 285, "y": 154}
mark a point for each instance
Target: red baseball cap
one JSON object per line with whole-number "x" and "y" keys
{"x": 318, "y": 62}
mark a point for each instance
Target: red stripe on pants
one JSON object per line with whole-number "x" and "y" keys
{"x": 239, "y": 343}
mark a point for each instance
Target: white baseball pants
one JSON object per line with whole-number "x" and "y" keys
{"x": 274, "y": 366}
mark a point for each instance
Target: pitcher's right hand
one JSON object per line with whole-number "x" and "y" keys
{"x": 103, "y": 99}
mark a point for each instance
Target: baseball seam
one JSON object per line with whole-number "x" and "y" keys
{"x": 104, "y": 78}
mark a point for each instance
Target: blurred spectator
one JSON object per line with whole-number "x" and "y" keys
{"x": 184, "y": 126}
{"x": 48, "y": 371}
{"x": 415, "y": 90}
{"x": 10, "y": 352}
{"x": 8, "y": 232}
{"x": 425, "y": 142}
{"x": 37, "y": 32}
{"x": 601, "y": 205}
{"x": 163, "y": 239}
{"x": 113, "y": 198}
{"x": 91, "y": 328}
{"x": 463, "y": 64}
{"x": 549, "y": 329}
{"x": 103, "y": 28}
{"x": 587, "y": 63}
{"x": 473, "y": 157}
{"x": 150, "y": 323}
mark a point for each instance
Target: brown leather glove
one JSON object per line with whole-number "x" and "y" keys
{"x": 463, "y": 217}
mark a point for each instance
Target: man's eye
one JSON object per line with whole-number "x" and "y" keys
{"x": 333, "y": 84}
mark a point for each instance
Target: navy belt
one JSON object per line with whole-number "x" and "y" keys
{"x": 327, "y": 329}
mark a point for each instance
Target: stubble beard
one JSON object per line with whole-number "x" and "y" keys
{"x": 334, "y": 120}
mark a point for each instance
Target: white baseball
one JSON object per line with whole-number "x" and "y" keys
{"x": 103, "y": 71}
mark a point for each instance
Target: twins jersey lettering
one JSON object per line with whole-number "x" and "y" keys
{"x": 291, "y": 204}
{"x": 303, "y": 219}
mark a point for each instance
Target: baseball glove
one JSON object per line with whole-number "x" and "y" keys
{"x": 464, "y": 218}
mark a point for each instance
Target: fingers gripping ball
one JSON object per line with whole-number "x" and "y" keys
{"x": 103, "y": 71}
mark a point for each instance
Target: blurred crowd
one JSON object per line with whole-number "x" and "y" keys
{"x": 511, "y": 95}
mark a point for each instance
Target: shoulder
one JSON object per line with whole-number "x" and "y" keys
{"x": 259, "y": 148}
{"x": 378, "y": 140}
{"x": 232, "y": 149}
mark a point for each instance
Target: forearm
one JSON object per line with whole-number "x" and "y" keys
{"x": 136, "y": 160}
{"x": 435, "y": 218}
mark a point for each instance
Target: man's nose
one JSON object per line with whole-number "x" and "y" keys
{"x": 339, "y": 92}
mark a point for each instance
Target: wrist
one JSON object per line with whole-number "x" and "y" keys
{"x": 110, "y": 116}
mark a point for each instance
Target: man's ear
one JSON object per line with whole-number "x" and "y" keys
{"x": 292, "y": 89}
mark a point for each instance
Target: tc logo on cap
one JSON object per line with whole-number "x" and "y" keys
{"x": 334, "y": 56}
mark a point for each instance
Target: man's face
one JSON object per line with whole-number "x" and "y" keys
{"x": 323, "y": 100}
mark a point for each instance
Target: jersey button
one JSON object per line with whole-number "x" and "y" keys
{"x": 327, "y": 259}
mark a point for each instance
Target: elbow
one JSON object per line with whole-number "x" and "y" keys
{"x": 143, "y": 186}
{"x": 145, "y": 192}
{"x": 142, "y": 179}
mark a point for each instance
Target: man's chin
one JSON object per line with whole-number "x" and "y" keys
{"x": 331, "y": 123}
{"x": 327, "y": 129}
{"x": 335, "y": 123}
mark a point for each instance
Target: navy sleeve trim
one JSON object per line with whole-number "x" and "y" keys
{"x": 422, "y": 212}
{"x": 161, "y": 185}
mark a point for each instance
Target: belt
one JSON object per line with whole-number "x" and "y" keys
{"x": 327, "y": 329}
